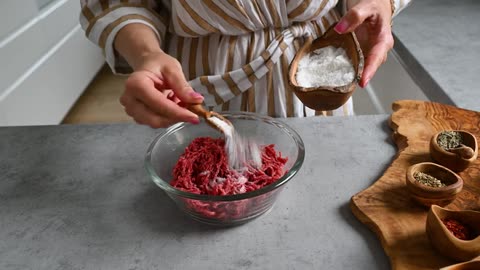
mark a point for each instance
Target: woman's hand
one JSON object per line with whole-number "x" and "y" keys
{"x": 155, "y": 91}
{"x": 371, "y": 21}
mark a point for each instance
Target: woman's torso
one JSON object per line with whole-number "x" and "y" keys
{"x": 213, "y": 37}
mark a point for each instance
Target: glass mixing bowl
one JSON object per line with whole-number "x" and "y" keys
{"x": 167, "y": 147}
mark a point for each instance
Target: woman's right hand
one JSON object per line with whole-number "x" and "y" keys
{"x": 156, "y": 89}
{"x": 153, "y": 92}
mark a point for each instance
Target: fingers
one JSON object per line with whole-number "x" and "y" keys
{"x": 151, "y": 106}
{"x": 375, "y": 58}
{"x": 355, "y": 17}
{"x": 370, "y": 19}
{"x": 175, "y": 79}
{"x": 144, "y": 116}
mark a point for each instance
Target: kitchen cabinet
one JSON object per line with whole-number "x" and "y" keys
{"x": 47, "y": 60}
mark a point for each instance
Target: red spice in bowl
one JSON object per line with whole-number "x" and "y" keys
{"x": 458, "y": 229}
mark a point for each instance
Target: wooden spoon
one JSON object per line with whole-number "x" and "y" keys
{"x": 249, "y": 150}
{"x": 199, "y": 110}
{"x": 463, "y": 151}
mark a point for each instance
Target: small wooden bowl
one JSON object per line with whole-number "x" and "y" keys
{"x": 454, "y": 161}
{"x": 470, "y": 265}
{"x": 426, "y": 195}
{"x": 445, "y": 242}
{"x": 327, "y": 98}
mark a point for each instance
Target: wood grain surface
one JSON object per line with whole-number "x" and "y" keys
{"x": 386, "y": 207}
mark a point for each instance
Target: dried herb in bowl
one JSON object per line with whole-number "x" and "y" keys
{"x": 428, "y": 180}
{"x": 449, "y": 139}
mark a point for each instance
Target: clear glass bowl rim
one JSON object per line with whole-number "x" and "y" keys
{"x": 280, "y": 182}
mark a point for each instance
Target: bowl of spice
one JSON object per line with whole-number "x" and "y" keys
{"x": 325, "y": 71}
{"x": 454, "y": 149}
{"x": 455, "y": 234}
{"x": 430, "y": 183}
{"x": 193, "y": 165}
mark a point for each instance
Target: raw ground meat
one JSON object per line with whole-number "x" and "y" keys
{"x": 203, "y": 169}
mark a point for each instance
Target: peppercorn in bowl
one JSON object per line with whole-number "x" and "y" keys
{"x": 430, "y": 183}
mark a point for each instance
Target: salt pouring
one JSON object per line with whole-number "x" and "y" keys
{"x": 240, "y": 150}
{"x": 214, "y": 119}
{"x": 328, "y": 97}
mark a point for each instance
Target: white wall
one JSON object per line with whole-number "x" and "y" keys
{"x": 47, "y": 60}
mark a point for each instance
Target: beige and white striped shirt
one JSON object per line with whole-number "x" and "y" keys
{"x": 234, "y": 52}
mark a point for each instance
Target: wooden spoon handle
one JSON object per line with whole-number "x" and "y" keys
{"x": 463, "y": 151}
{"x": 199, "y": 110}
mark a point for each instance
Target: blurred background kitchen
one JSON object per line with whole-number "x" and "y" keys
{"x": 51, "y": 74}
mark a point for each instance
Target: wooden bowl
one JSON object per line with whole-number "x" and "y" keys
{"x": 470, "y": 265}
{"x": 445, "y": 242}
{"x": 327, "y": 98}
{"x": 451, "y": 160}
{"x": 426, "y": 195}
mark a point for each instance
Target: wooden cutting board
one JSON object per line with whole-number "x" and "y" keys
{"x": 386, "y": 208}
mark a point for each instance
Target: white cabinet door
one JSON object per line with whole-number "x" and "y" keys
{"x": 48, "y": 62}
{"x": 43, "y": 3}
{"x": 49, "y": 91}
{"x": 35, "y": 38}
{"x": 14, "y": 14}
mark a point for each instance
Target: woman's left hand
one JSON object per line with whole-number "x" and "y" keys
{"x": 371, "y": 21}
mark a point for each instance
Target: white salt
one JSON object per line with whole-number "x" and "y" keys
{"x": 240, "y": 151}
{"x": 327, "y": 66}
{"x": 225, "y": 127}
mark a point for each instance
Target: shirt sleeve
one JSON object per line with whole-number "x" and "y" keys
{"x": 102, "y": 20}
{"x": 398, "y": 6}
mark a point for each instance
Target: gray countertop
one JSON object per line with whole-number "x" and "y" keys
{"x": 439, "y": 42}
{"x": 77, "y": 197}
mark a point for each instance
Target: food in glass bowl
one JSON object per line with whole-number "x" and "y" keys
{"x": 204, "y": 169}
{"x": 205, "y": 187}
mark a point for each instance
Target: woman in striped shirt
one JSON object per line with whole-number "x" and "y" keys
{"x": 228, "y": 54}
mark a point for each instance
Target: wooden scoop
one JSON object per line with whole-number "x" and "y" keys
{"x": 199, "y": 110}
{"x": 456, "y": 159}
{"x": 463, "y": 151}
